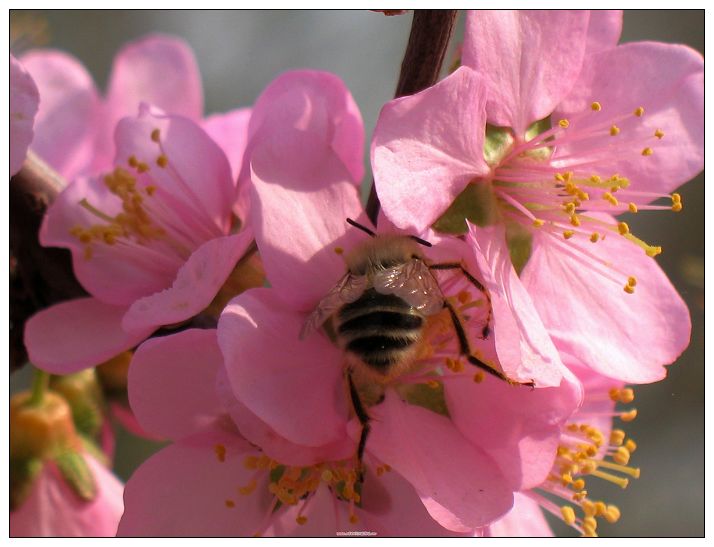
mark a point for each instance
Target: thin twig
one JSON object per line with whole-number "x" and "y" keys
{"x": 426, "y": 49}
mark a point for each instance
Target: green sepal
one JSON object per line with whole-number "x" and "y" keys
{"x": 23, "y": 473}
{"x": 496, "y": 144}
{"x": 92, "y": 449}
{"x": 533, "y": 131}
{"x": 84, "y": 394}
{"x": 476, "y": 204}
{"x": 431, "y": 398}
{"x": 75, "y": 471}
{"x": 520, "y": 245}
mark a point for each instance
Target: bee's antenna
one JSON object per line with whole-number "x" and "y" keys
{"x": 360, "y": 227}
{"x": 421, "y": 241}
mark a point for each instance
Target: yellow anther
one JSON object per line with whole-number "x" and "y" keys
{"x": 353, "y": 518}
{"x": 559, "y": 177}
{"x": 639, "y": 111}
{"x": 220, "y": 451}
{"x": 676, "y": 207}
{"x": 594, "y": 237}
{"x": 156, "y": 135}
{"x": 622, "y": 456}
{"x": 579, "y": 484}
{"x": 133, "y": 162}
{"x": 617, "y": 437}
{"x": 478, "y": 377}
{"x": 387, "y": 467}
{"x": 230, "y": 503}
{"x": 463, "y": 296}
{"x": 326, "y": 476}
{"x": 607, "y": 196}
{"x": 614, "y": 130}
{"x": 380, "y": 471}
{"x": 248, "y": 488}
{"x": 570, "y": 207}
{"x": 301, "y": 520}
{"x": 631, "y": 445}
{"x": 629, "y": 289}
{"x": 590, "y": 522}
{"x": 142, "y": 167}
{"x": 647, "y": 151}
{"x": 150, "y": 190}
{"x": 162, "y": 161}
{"x": 596, "y": 107}
{"x": 568, "y": 514}
{"x": 584, "y": 196}
{"x": 589, "y": 532}
{"x": 632, "y": 207}
{"x": 538, "y": 223}
{"x": 579, "y": 496}
{"x": 595, "y": 179}
{"x": 653, "y": 251}
{"x": 433, "y": 384}
{"x": 659, "y": 133}
{"x": 567, "y": 234}
{"x": 612, "y": 515}
{"x": 250, "y": 462}
{"x": 339, "y": 250}
{"x": 629, "y": 415}
{"x": 564, "y": 123}
{"x": 627, "y": 395}
{"x": 623, "y": 228}
{"x": 588, "y": 508}
{"x": 574, "y": 220}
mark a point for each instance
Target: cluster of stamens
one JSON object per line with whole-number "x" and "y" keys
{"x": 558, "y": 194}
{"x": 296, "y": 485}
{"x": 585, "y": 453}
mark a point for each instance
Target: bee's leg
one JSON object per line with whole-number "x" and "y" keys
{"x": 363, "y": 418}
{"x": 475, "y": 282}
{"x": 465, "y": 350}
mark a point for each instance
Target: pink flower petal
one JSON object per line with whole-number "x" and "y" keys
{"x": 525, "y": 350}
{"x": 525, "y": 520}
{"x": 230, "y": 132}
{"x": 69, "y": 112}
{"x": 77, "y": 334}
{"x": 196, "y": 285}
{"x": 530, "y": 60}
{"x": 604, "y": 30}
{"x": 197, "y": 184}
{"x": 324, "y": 513}
{"x": 111, "y": 274}
{"x": 315, "y": 101}
{"x": 24, "y": 99}
{"x": 182, "y": 491}
{"x": 157, "y": 69}
{"x": 525, "y": 448}
{"x": 257, "y": 432}
{"x": 122, "y": 414}
{"x": 460, "y": 486}
{"x": 52, "y": 508}
{"x": 302, "y": 195}
{"x": 427, "y": 147}
{"x": 625, "y": 336}
{"x": 295, "y": 386}
{"x": 172, "y": 383}
{"x": 668, "y": 81}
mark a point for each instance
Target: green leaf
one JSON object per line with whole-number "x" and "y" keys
{"x": 74, "y": 469}
{"x": 497, "y": 143}
{"x": 476, "y": 204}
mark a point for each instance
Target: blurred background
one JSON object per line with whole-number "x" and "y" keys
{"x": 240, "y": 52}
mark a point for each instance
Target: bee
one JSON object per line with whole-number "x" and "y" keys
{"x": 378, "y": 312}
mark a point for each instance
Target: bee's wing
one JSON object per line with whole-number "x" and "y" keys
{"x": 349, "y": 289}
{"x": 412, "y": 282}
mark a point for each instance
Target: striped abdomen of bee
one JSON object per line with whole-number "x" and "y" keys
{"x": 380, "y": 333}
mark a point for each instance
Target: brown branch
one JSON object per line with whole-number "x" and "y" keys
{"x": 39, "y": 276}
{"x": 426, "y": 49}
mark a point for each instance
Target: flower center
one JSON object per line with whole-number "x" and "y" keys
{"x": 147, "y": 217}
{"x": 297, "y": 485}
{"x": 542, "y": 185}
{"x": 585, "y": 453}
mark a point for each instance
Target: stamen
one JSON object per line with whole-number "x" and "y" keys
{"x": 162, "y": 161}
{"x": 564, "y": 123}
{"x": 639, "y": 111}
{"x": 614, "y": 131}
{"x": 220, "y": 451}
{"x": 632, "y": 207}
{"x": 659, "y": 134}
{"x": 596, "y": 107}
{"x": 156, "y": 135}
{"x": 647, "y": 151}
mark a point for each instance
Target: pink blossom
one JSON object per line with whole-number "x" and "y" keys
{"x": 589, "y": 448}
{"x": 227, "y": 470}
{"x": 24, "y": 99}
{"x": 302, "y": 191}
{"x": 75, "y": 124}
{"x": 53, "y": 509}
{"x": 152, "y": 242}
{"x": 626, "y": 129}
